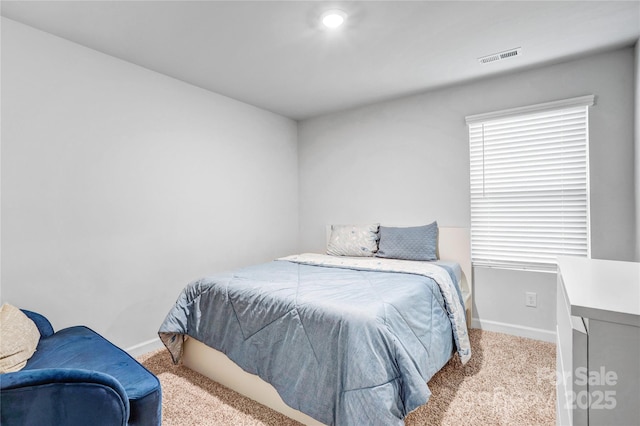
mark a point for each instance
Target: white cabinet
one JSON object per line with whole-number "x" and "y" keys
{"x": 598, "y": 342}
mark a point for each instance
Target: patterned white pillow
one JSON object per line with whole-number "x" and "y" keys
{"x": 353, "y": 240}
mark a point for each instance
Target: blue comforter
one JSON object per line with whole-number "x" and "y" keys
{"x": 345, "y": 346}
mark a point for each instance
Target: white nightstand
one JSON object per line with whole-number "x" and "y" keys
{"x": 598, "y": 342}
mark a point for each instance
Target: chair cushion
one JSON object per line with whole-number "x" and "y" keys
{"x": 19, "y": 338}
{"x": 81, "y": 347}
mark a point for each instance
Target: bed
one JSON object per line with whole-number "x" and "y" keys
{"x": 329, "y": 339}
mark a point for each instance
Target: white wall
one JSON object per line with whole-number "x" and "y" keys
{"x": 406, "y": 162}
{"x": 120, "y": 185}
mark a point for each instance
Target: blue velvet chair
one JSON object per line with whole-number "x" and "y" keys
{"x": 77, "y": 377}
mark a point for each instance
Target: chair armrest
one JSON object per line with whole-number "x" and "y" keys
{"x": 62, "y": 396}
{"x": 43, "y": 324}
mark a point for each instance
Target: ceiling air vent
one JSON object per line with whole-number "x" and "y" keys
{"x": 512, "y": 53}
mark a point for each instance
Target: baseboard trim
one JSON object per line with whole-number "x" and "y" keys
{"x": 515, "y": 330}
{"x": 144, "y": 347}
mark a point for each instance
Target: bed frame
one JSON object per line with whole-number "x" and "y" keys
{"x": 453, "y": 244}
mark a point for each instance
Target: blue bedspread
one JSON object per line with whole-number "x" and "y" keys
{"x": 345, "y": 346}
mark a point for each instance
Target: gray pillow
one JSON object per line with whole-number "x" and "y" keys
{"x": 413, "y": 243}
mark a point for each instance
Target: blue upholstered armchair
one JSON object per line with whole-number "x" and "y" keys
{"x": 77, "y": 377}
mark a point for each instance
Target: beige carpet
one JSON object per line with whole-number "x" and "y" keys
{"x": 509, "y": 380}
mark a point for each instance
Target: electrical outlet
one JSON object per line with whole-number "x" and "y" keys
{"x": 531, "y": 299}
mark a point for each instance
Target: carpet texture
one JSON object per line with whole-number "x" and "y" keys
{"x": 509, "y": 380}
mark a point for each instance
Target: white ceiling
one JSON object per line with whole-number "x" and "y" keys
{"x": 273, "y": 54}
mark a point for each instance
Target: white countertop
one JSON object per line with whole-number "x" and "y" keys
{"x": 606, "y": 290}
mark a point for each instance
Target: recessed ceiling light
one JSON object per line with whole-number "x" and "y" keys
{"x": 333, "y": 18}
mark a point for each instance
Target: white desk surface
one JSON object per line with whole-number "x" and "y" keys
{"x": 605, "y": 290}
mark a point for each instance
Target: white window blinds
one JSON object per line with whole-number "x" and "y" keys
{"x": 529, "y": 184}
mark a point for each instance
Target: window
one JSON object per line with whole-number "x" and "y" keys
{"x": 529, "y": 184}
